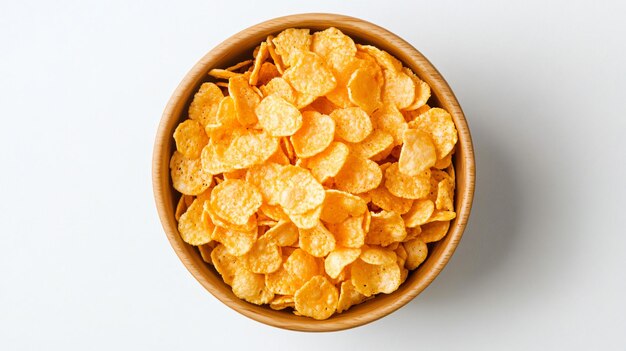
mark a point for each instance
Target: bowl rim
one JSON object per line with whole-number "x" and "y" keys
{"x": 410, "y": 57}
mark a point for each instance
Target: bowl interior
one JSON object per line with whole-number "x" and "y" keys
{"x": 239, "y": 47}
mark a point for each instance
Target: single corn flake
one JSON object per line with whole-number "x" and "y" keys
{"x": 382, "y": 198}
{"x": 280, "y": 87}
{"x": 369, "y": 279}
{"x": 302, "y": 265}
{"x": 389, "y": 119}
{"x": 434, "y": 231}
{"x": 315, "y": 135}
{"x": 348, "y": 297}
{"x": 284, "y": 233}
{"x": 278, "y": 117}
{"x": 306, "y": 220}
{"x": 190, "y": 138}
{"x": 318, "y": 241}
{"x": 310, "y": 75}
{"x": 442, "y": 216}
{"x": 416, "y": 251}
{"x": 365, "y": 88}
{"x": 236, "y": 242}
{"x": 329, "y": 162}
{"x": 203, "y": 107}
{"x": 438, "y": 124}
{"x": 350, "y": 232}
{"x": 192, "y": 229}
{"x": 264, "y": 257}
{"x": 399, "y": 89}
{"x": 225, "y": 263}
{"x": 290, "y": 42}
{"x": 332, "y": 40}
{"x": 188, "y": 175}
{"x": 338, "y": 259}
{"x": 383, "y": 58}
{"x": 339, "y": 205}
{"x": 267, "y": 72}
{"x": 420, "y": 212}
{"x": 417, "y": 153}
{"x": 422, "y": 90}
{"x": 408, "y": 187}
{"x": 245, "y": 98}
{"x": 251, "y": 287}
{"x": 385, "y": 229}
{"x": 445, "y": 193}
{"x": 317, "y": 298}
{"x": 282, "y": 302}
{"x": 352, "y": 124}
{"x": 235, "y": 200}
{"x": 376, "y": 146}
{"x": 377, "y": 255}
{"x": 260, "y": 58}
{"x": 358, "y": 175}
{"x": 301, "y": 192}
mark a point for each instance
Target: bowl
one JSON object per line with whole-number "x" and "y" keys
{"x": 239, "y": 47}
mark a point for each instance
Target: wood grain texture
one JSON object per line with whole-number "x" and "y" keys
{"x": 240, "y": 46}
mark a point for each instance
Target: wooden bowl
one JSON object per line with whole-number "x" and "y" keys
{"x": 240, "y": 46}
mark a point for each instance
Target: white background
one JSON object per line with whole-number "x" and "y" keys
{"x": 84, "y": 262}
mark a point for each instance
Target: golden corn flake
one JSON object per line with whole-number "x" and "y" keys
{"x": 434, "y": 231}
{"x": 315, "y": 135}
{"x": 204, "y": 105}
{"x": 339, "y": 205}
{"x": 191, "y": 227}
{"x": 318, "y": 241}
{"x": 408, "y": 187}
{"x": 442, "y": 216}
{"x": 260, "y": 58}
{"x": 389, "y": 119}
{"x": 183, "y": 203}
{"x": 306, "y": 220}
{"x": 235, "y": 200}
{"x": 369, "y": 279}
{"x": 417, "y": 153}
{"x": 358, "y": 175}
{"x": 190, "y": 138}
{"x": 280, "y": 87}
{"x": 284, "y": 233}
{"x": 302, "y": 265}
{"x": 376, "y": 146}
{"x": 263, "y": 257}
{"x": 348, "y": 297}
{"x": 267, "y": 72}
{"x": 385, "y": 229}
{"x": 416, "y": 251}
{"x": 382, "y": 198}
{"x": 236, "y": 242}
{"x": 445, "y": 193}
{"x": 338, "y": 259}
{"x": 225, "y": 263}
{"x": 251, "y": 287}
{"x": 329, "y": 162}
{"x": 378, "y": 256}
{"x": 331, "y": 172}
{"x": 420, "y": 212}
{"x": 349, "y": 233}
{"x": 188, "y": 175}
{"x": 317, "y": 298}
{"x": 282, "y": 302}
{"x": 332, "y": 40}
{"x": 422, "y": 90}
{"x": 290, "y": 42}
{"x": 438, "y": 124}
{"x": 301, "y": 191}
{"x": 383, "y": 58}
{"x": 278, "y": 117}
{"x": 225, "y": 119}
{"x": 352, "y": 124}
{"x": 246, "y": 99}
{"x": 365, "y": 88}
{"x": 310, "y": 75}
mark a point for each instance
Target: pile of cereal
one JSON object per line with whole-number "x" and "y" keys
{"x": 314, "y": 175}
